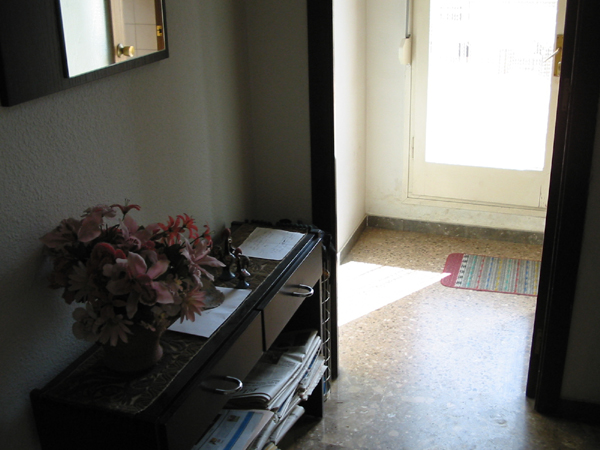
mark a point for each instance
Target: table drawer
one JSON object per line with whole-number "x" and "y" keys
{"x": 284, "y": 304}
{"x": 202, "y": 402}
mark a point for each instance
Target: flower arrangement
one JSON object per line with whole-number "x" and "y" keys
{"x": 127, "y": 274}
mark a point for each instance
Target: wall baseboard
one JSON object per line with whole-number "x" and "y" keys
{"x": 578, "y": 411}
{"x": 344, "y": 251}
{"x": 465, "y": 231}
{"x": 444, "y": 229}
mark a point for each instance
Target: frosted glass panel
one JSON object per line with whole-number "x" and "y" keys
{"x": 489, "y": 82}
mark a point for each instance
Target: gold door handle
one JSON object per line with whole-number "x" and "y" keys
{"x": 557, "y": 55}
{"x": 125, "y": 50}
{"x": 554, "y": 53}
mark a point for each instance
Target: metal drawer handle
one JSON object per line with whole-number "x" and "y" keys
{"x": 238, "y": 388}
{"x": 309, "y": 291}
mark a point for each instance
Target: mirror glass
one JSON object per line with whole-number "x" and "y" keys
{"x": 99, "y": 33}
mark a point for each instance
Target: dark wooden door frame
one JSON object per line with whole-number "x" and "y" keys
{"x": 324, "y": 207}
{"x": 568, "y": 198}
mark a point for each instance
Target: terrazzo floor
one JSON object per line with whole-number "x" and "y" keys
{"x": 426, "y": 367}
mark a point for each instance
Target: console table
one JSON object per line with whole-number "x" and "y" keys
{"x": 171, "y": 406}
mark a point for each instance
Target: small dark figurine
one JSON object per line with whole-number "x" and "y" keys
{"x": 242, "y": 263}
{"x": 227, "y": 256}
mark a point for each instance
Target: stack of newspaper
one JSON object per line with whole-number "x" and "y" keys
{"x": 269, "y": 404}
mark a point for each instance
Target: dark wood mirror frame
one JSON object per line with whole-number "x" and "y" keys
{"x": 32, "y": 61}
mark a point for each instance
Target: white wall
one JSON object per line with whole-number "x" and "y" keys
{"x": 582, "y": 366}
{"x": 387, "y": 103}
{"x": 278, "y": 57}
{"x": 349, "y": 28}
{"x": 174, "y": 136}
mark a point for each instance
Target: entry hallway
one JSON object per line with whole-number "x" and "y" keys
{"x": 431, "y": 367}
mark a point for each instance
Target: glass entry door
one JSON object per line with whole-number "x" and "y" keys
{"x": 484, "y": 101}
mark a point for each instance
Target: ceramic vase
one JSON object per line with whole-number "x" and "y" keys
{"x": 142, "y": 351}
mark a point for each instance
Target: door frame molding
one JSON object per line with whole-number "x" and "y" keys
{"x": 568, "y": 197}
{"x": 322, "y": 144}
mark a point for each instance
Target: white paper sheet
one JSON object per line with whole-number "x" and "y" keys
{"x": 209, "y": 321}
{"x": 267, "y": 243}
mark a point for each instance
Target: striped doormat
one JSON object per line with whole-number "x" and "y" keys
{"x": 487, "y": 273}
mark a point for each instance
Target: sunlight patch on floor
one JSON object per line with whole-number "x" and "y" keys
{"x": 364, "y": 287}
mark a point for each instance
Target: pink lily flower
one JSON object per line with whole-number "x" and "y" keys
{"x": 198, "y": 256}
{"x": 126, "y": 208}
{"x": 66, "y": 232}
{"x": 136, "y": 238}
{"x": 132, "y": 276}
{"x": 91, "y": 225}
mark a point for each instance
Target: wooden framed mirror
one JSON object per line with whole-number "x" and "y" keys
{"x": 45, "y": 46}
